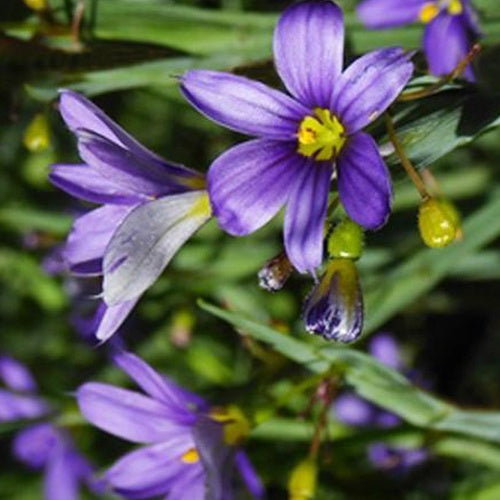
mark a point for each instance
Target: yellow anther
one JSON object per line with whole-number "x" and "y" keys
{"x": 191, "y": 456}
{"x": 428, "y": 12}
{"x": 455, "y": 7}
{"x": 321, "y": 136}
{"x": 236, "y": 425}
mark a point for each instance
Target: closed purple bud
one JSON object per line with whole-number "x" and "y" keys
{"x": 275, "y": 273}
{"x": 334, "y": 309}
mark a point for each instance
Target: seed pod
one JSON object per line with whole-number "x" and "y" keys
{"x": 438, "y": 222}
{"x": 302, "y": 482}
{"x": 37, "y": 135}
{"x": 346, "y": 241}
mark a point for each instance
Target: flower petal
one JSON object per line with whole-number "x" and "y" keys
{"x": 364, "y": 182}
{"x": 61, "y": 479}
{"x": 308, "y": 50}
{"x": 446, "y": 43}
{"x": 244, "y": 105}
{"x": 249, "y": 475}
{"x": 144, "y": 176}
{"x": 126, "y": 414}
{"x": 16, "y": 376}
{"x": 34, "y": 445}
{"x": 16, "y": 406}
{"x": 109, "y": 318}
{"x": 147, "y": 240}
{"x": 384, "y": 347}
{"x": 86, "y": 183}
{"x": 352, "y": 410}
{"x": 369, "y": 85}
{"x": 158, "y": 386}
{"x": 389, "y": 13}
{"x": 250, "y": 182}
{"x": 91, "y": 234}
{"x": 79, "y": 113}
{"x": 150, "y": 471}
{"x": 305, "y": 216}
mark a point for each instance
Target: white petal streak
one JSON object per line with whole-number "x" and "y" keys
{"x": 146, "y": 241}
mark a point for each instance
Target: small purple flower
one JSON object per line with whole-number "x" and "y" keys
{"x": 451, "y": 27}
{"x": 150, "y": 207}
{"x": 302, "y": 138}
{"x": 42, "y": 445}
{"x": 189, "y": 448}
{"x": 355, "y": 411}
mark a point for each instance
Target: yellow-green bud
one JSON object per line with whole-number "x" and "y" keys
{"x": 236, "y": 425}
{"x": 438, "y": 222}
{"x": 346, "y": 241}
{"x": 302, "y": 482}
{"x": 37, "y": 4}
{"x": 37, "y": 135}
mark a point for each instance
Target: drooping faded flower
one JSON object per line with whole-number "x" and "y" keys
{"x": 450, "y": 27}
{"x": 190, "y": 449}
{"x": 42, "y": 445}
{"x": 302, "y": 138}
{"x": 357, "y": 412}
{"x": 150, "y": 207}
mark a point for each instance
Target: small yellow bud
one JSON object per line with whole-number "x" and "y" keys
{"x": 37, "y": 5}
{"x": 37, "y": 135}
{"x": 236, "y": 425}
{"x": 438, "y": 222}
{"x": 346, "y": 241}
{"x": 302, "y": 482}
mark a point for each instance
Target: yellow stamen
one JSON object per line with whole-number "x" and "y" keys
{"x": 428, "y": 12}
{"x": 191, "y": 456}
{"x": 236, "y": 425}
{"x": 321, "y": 136}
{"x": 455, "y": 7}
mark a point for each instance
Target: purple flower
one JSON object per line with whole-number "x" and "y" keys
{"x": 190, "y": 449}
{"x": 19, "y": 400}
{"x": 451, "y": 27}
{"x": 41, "y": 445}
{"x": 355, "y": 411}
{"x": 302, "y": 138}
{"x": 150, "y": 207}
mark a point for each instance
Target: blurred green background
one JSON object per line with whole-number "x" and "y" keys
{"x": 442, "y": 306}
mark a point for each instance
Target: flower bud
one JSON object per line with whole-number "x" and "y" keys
{"x": 236, "y": 425}
{"x": 273, "y": 276}
{"x": 37, "y": 5}
{"x": 302, "y": 482}
{"x": 438, "y": 222}
{"x": 334, "y": 309}
{"x": 37, "y": 135}
{"x": 346, "y": 241}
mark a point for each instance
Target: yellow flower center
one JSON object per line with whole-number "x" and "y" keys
{"x": 191, "y": 456}
{"x": 236, "y": 425}
{"x": 321, "y": 136}
{"x": 455, "y": 7}
{"x": 428, "y": 12}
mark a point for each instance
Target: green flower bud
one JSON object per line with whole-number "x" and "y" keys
{"x": 346, "y": 241}
{"x": 302, "y": 482}
{"x": 438, "y": 222}
{"x": 37, "y": 135}
{"x": 37, "y": 5}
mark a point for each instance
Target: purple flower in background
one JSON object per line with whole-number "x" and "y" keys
{"x": 302, "y": 138}
{"x": 150, "y": 207}
{"x": 42, "y": 445}
{"x": 355, "y": 411}
{"x": 190, "y": 449}
{"x": 451, "y": 27}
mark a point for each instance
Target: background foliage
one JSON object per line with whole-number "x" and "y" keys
{"x": 239, "y": 343}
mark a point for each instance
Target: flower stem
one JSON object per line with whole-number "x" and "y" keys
{"x": 459, "y": 69}
{"x": 407, "y": 165}
{"x": 330, "y": 391}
